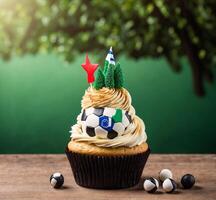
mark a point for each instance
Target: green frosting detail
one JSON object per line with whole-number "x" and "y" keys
{"x": 118, "y": 116}
{"x": 100, "y": 80}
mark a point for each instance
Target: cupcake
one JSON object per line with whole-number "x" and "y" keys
{"x": 108, "y": 148}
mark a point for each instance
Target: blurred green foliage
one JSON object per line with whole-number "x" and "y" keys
{"x": 136, "y": 28}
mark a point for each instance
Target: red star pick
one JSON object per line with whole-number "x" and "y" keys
{"x": 90, "y": 69}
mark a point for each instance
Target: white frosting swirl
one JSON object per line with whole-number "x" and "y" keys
{"x": 114, "y": 98}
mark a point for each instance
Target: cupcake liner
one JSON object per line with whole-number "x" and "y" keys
{"x": 107, "y": 172}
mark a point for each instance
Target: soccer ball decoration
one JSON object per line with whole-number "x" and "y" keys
{"x": 105, "y": 122}
{"x": 169, "y": 185}
{"x": 187, "y": 181}
{"x": 164, "y": 174}
{"x": 151, "y": 185}
{"x": 56, "y": 180}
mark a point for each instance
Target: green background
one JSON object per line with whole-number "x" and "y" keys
{"x": 40, "y": 99}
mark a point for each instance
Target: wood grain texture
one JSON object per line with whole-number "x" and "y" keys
{"x": 27, "y": 177}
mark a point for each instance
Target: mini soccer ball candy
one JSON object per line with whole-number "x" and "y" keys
{"x": 187, "y": 181}
{"x": 164, "y": 174}
{"x": 150, "y": 185}
{"x": 169, "y": 185}
{"x": 56, "y": 180}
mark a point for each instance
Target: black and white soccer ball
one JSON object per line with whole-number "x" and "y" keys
{"x": 169, "y": 185}
{"x": 164, "y": 174}
{"x": 56, "y": 180}
{"x": 151, "y": 185}
{"x": 105, "y": 122}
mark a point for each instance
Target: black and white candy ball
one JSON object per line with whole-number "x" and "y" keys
{"x": 151, "y": 185}
{"x": 164, "y": 174}
{"x": 169, "y": 185}
{"x": 56, "y": 180}
{"x": 104, "y": 122}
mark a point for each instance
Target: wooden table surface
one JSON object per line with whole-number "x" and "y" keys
{"x": 27, "y": 177}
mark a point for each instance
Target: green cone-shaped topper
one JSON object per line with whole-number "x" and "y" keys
{"x": 109, "y": 77}
{"x": 118, "y": 77}
{"x": 100, "y": 79}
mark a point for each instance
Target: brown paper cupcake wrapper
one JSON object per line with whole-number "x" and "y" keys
{"x": 107, "y": 172}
